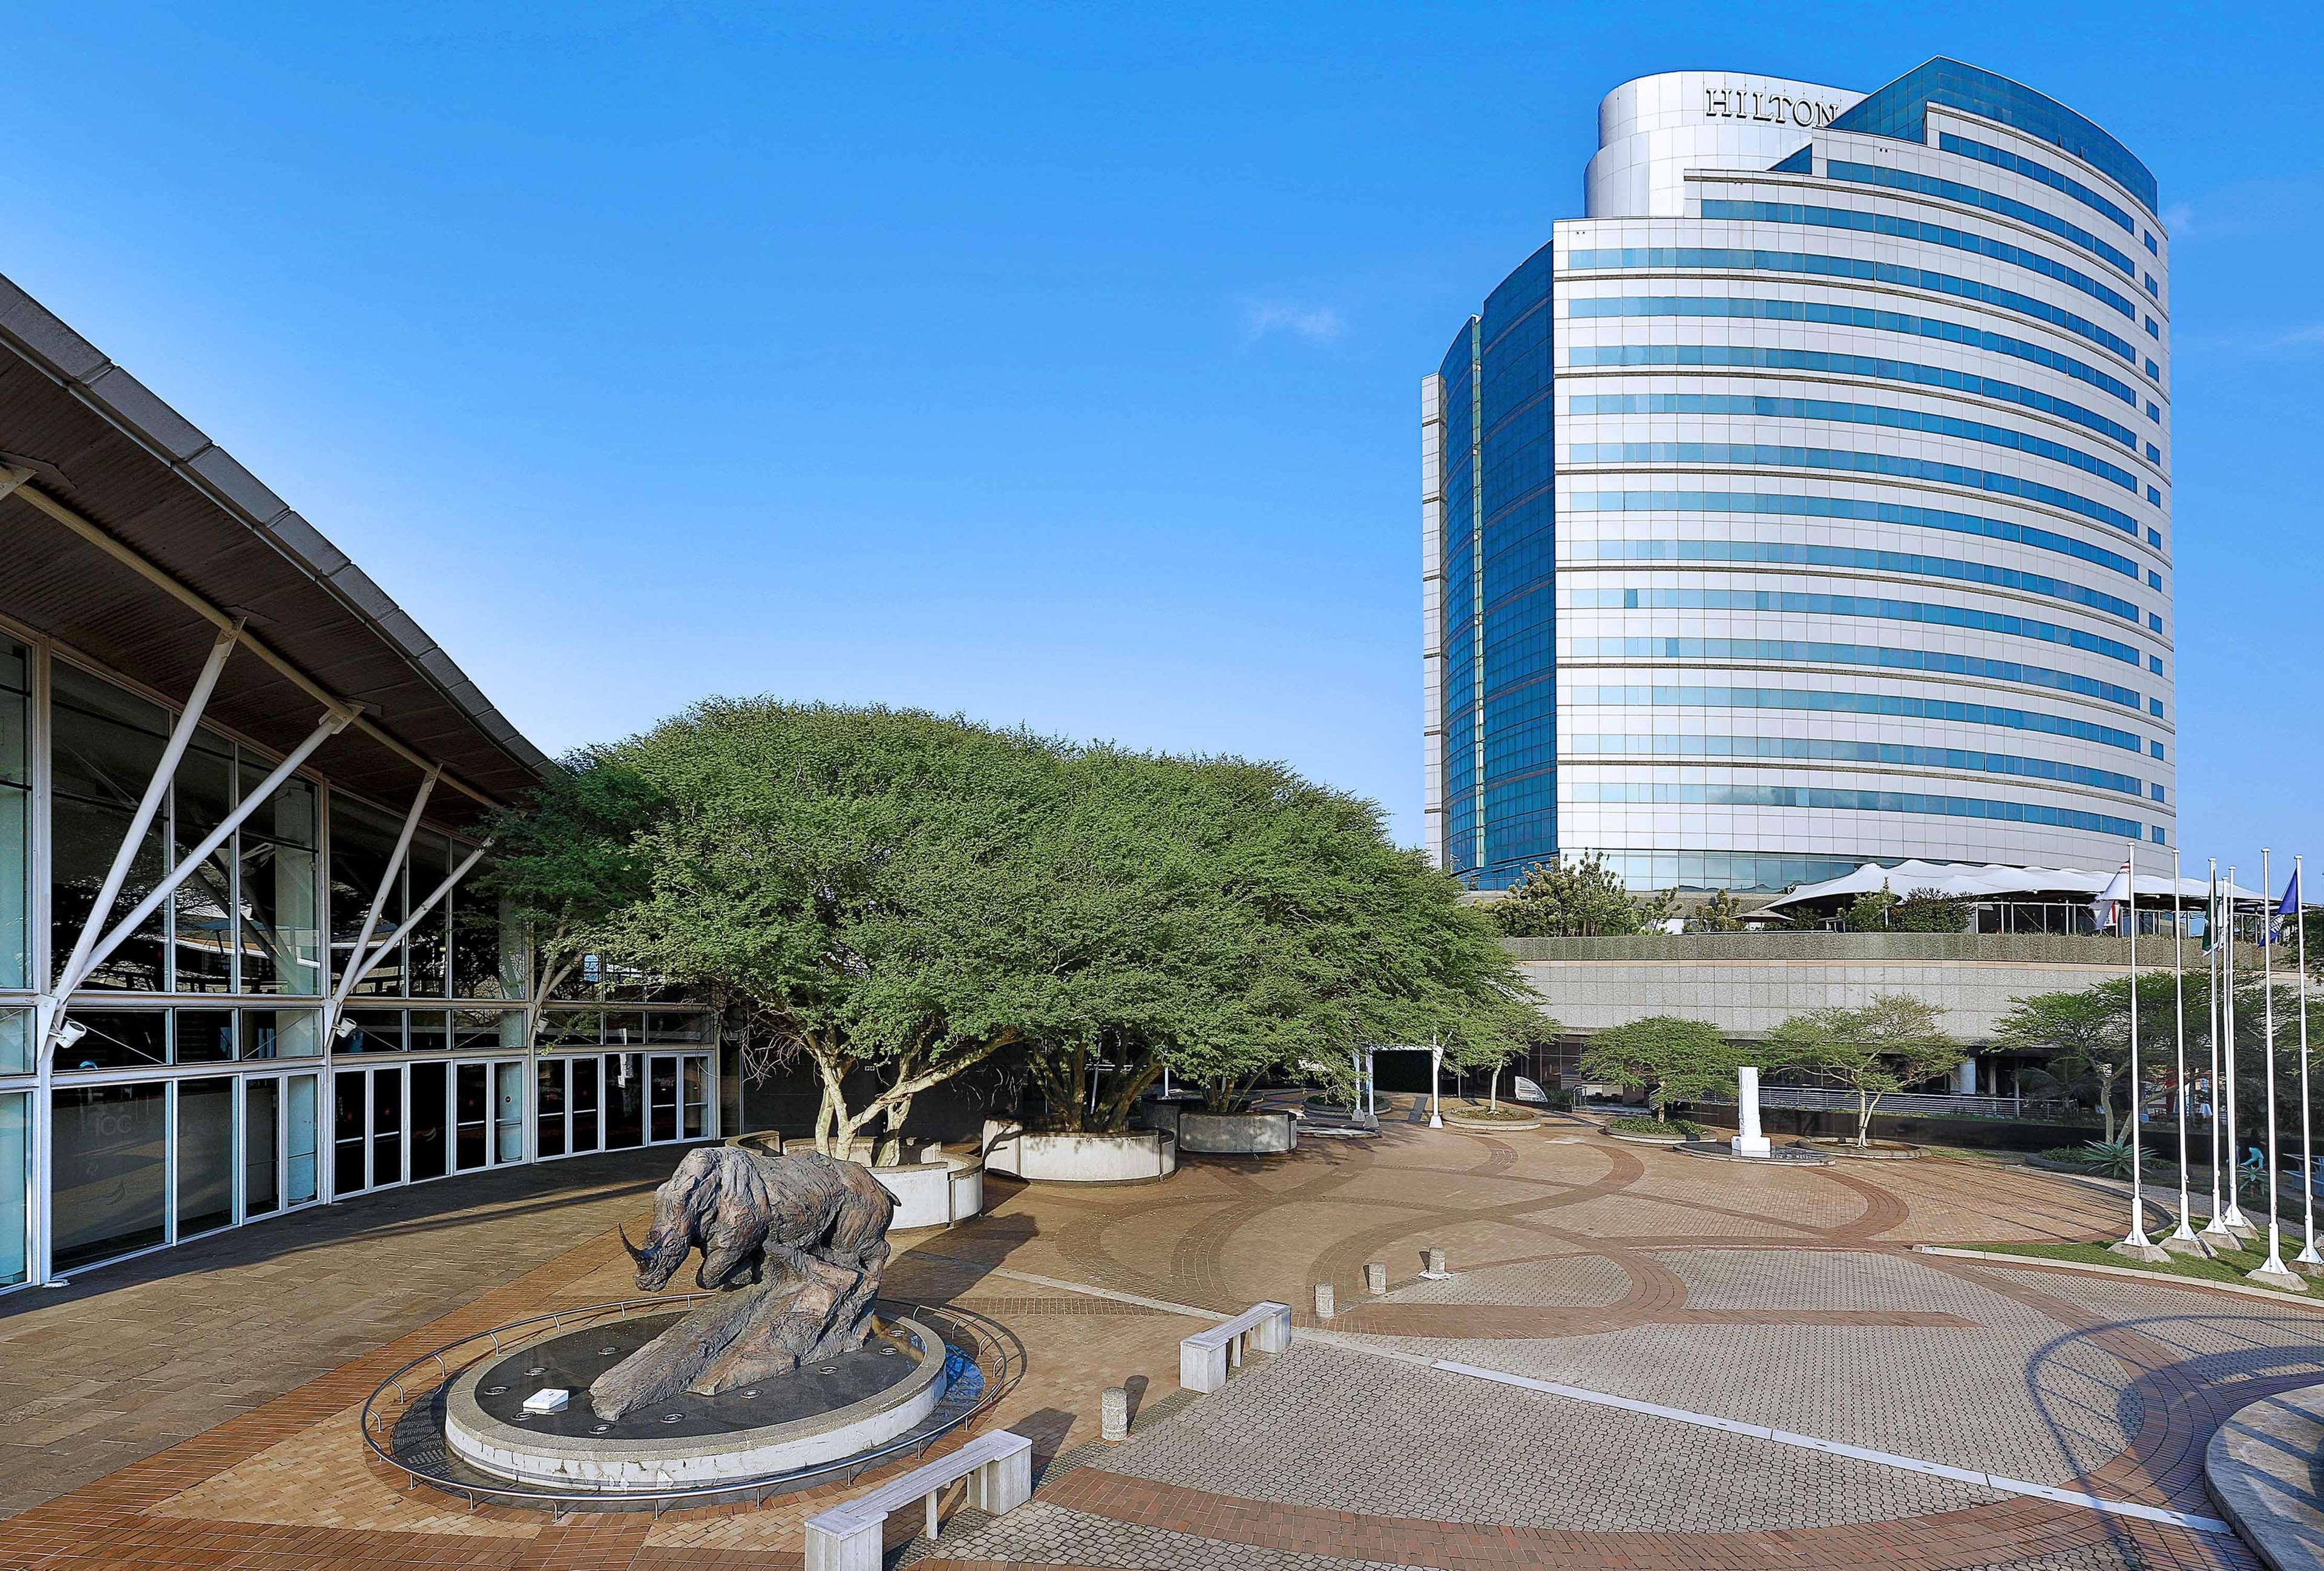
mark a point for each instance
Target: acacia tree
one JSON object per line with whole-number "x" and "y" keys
{"x": 1494, "y": 1032}
{"x": 1886, "y": 1045}
{"x": 1676, "y": 1059}
{"x": 565, "y": 863}
{"x": 875, "y": 891}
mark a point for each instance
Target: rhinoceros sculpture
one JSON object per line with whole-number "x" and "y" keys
{"x": 794, "y": 1246}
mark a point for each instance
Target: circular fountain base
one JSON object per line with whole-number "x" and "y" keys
{"x": 823, "y": 1412}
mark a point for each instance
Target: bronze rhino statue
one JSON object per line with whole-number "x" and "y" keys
{"x": 795, "y": 1246}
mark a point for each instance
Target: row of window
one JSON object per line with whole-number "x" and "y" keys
{"x": 1785, "y": 457}
{"x": 1780, "y": 554}
{"x": 1829, "y": 750}
{"x": 1770, "y": 505}
{"x": 249, "y": 919}
{"x": 1874, "y": 318}
{"x": 1816, "y": 265}
{"x": 1819, "y": 216}
{"x": 1815, "y": 700}
{"x": 1666, "y": 793}
{"x": 1742, "y": 870}
{"x": 1939, "y": 661}
{"x": 1951, "y": 190}
{"x": 2034, "y": 170}
{"x": 1900, "y": 110}
{"x": 1866, "y": 605}
{"x": 1844, "y": 413}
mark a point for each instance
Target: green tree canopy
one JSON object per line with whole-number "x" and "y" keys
{"x": 1889, "y": 1043}
{"x": 895, "y": 898}
{"x": 1575, "y": 898}
{"x": 1676, "y": 1059}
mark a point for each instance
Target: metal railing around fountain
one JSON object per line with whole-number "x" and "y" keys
{"x": 971, "y": 1342}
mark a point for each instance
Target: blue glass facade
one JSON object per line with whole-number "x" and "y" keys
{"x": 1817, "y": 388}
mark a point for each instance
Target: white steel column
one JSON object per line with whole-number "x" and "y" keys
{"x": 394, "y": 940}
{"x": 331, "y": 725}
{"x": 81, "y": 962}
{"x": 345, "y": 984}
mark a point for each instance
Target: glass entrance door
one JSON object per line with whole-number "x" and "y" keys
{"x": 661, "y": 1099}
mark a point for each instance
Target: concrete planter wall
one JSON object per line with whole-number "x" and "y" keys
{"x": 1238, "y": 1134}
{"x": 1132, "y": 1156}
{"x": 936, "y": 1191}
{"x": 1160, "y": 1111}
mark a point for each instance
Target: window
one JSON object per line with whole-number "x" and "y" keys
{"x": 2154, "y": 664}
{"x": 549, "y": 1097}
{"x": 2155, "y": 707}
{"x": 2153, "y": 330}
{"x": 105, "y": 747}
{"x": 2153, "y": 454}
{"x": 262, "y": 1146}
{"x": 582, "y": 1090}
{"x": 117, "y": 1040}
{"x": 363, "y": 842}
{"x": 2153, "y": 411}
{"x": 2156, "y": 748}
{"x": 2155, "y": 538}
{"x": 2156, "y": 789}
{"x": 15, "y": 1114}
{"x": 2153, "y": 372}
{"x": 299, "y": 1173}
{"x": 2153, "y": 579}
{"x": 432, "y": 1114}
{"x": 206, "y": 1164}
{"x": 2154, "y": 624}
{"x": 2151, "y": 245}
{"x": 110, "y": 1163}
{"x": 2041, "y": 218}
{"x": 278, "y": 919}
{"x": 15, "y": 838}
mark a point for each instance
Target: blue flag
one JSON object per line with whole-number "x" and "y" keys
{"x": 2288, "y": 907}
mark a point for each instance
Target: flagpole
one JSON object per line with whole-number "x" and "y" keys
{"x": 2183, "y": 1239}
{"x": 2236, "y": 1221}
{"x": 2271, "y": 1270}
{"x": 2135, "y": 1244}
{"x": 2216, "y": 1227}
{"x": 2308, "y": 1257}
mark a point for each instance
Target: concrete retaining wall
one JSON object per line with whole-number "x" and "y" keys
{"x": 1080, "y": 1159}
{"x": 1747, "y": 984}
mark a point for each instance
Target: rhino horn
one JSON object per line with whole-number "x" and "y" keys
{"x": 636, "y": 1254}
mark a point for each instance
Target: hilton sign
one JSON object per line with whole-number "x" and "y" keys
{"x": 1768, "y": 109}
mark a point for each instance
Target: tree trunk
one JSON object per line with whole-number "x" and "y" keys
{"x": 891, "y": 1149}
{"x": 2106, "y": 1103}
{"x": 1493, "y": 1091}
{"x": 1864, "y": 1100}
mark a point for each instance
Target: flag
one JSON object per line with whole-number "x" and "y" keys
{"x": 2289, "y": 906}
{"x": 2106, "y": 908}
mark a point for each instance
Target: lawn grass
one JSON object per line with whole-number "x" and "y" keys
{"x": 2230, "y": 1266}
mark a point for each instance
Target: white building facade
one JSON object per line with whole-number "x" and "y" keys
{"x": 1808, "y": 502}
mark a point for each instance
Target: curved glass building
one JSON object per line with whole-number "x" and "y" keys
{"x": 1808, "y": 502}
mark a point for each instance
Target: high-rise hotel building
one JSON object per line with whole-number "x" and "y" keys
{"x": 1808, "y": 502}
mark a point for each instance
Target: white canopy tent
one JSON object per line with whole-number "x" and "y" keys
{"x": 1992, "y": 881}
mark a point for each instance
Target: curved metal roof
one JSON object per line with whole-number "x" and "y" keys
{"x": 103, "y": 451}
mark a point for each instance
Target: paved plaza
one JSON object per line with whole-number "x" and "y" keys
{"x": 1753, "y": 1370}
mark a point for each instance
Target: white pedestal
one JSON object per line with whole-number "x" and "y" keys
{"x": 1747, "y": 1141}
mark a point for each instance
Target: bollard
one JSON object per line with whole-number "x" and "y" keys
{"x": 1435, "y": 1271}
{"x": 1114, "y": 1414}
{"x": 1375, "y": 1278}
{"x": 1325, "y": 1307}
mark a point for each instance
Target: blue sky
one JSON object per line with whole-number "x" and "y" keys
{"x": 1054, "y": 363}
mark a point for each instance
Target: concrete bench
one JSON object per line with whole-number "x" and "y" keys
{"x": 998, "y": 1468}
{"x": 1207, "y": 1357}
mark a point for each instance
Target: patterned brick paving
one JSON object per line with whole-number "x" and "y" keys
{"x": 197, "y": 1409}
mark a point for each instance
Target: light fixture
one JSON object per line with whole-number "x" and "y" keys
{"x": 344, "y": 1029}
{"x": 70, "y": 1032}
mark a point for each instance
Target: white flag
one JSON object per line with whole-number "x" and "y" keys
{"x": 2106, "y": 908}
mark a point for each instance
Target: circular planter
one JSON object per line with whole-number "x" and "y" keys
{"x": 720, "y": 1441}
{"x": 1879, "y": 1151}
{"x": 1646, "y": 1138}
{"x": 936, "y": 1191}
{"x": 1137, "y": 1156}
{"x": 1479, "y": 1121}
{"x": 1238, "y": 1134}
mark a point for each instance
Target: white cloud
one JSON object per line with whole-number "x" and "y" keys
{"x": 1316, "y": 324}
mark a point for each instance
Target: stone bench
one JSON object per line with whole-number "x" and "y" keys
{"x": 999, "y": 1467}
{"x": 1207, "y": 1357}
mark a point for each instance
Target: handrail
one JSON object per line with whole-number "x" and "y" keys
{"x": 994, "y": 1352}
